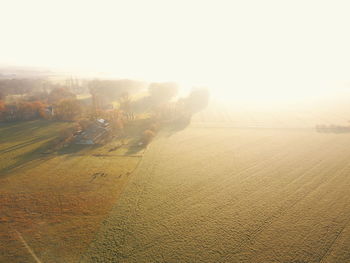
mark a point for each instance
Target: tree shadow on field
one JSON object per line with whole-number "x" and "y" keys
{"x": 30, "y": 143}
{"x": 177, "y": 126}
{"x": 44, "y": 153}
{"x": 73, "y": 148}
{"x": 134, "y": 149}
{"x": 16, "y": 131}
{"x": 33, "y": 157}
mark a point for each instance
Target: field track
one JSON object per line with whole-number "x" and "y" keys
{"x": 233, "y": 195}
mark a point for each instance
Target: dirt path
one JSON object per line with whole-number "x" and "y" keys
{"x": 223, "y": 195}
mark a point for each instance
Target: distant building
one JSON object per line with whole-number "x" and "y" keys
{"x": 49, "y": 111}
{"x": 95, "y": 134}
{"x": 103, "y": 122}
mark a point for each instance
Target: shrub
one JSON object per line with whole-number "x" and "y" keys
{"x": 147, "y": 136}
{"x": 154, "y": 127}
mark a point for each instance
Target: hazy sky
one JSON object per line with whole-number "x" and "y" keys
{"x": 267, "y": 48}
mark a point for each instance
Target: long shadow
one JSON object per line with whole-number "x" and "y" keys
{"x": 15, "y": 130}
{"x": 44, "y": 153}
{"x": 32, "y": 142}
{"x": 76, "y": 148}
{"x": 38, "y": 155}
{"x": 22, "y": 145}
{"x": 41, "y": 154}
{"x": 177, "y": 126}
{"x": 134, "y": 148}
{"x": 26, "y": 131}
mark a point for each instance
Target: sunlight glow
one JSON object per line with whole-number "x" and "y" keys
{"x": 280, "y": 51}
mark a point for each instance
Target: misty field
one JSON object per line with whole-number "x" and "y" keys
{"x": 233, "y": 195}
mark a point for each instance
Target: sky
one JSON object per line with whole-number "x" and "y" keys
{"x": 250, "y": 50}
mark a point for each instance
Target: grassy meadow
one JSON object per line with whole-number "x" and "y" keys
{"x": 55, "y": 201}
{"x": 207, "y": 192}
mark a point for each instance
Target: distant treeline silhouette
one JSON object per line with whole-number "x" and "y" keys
{"x": 332, "y": 128}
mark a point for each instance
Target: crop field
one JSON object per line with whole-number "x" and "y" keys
{"x": 207, "y": 194}
{"x": 54, "y": 203}
{"x": 223, "y": 114}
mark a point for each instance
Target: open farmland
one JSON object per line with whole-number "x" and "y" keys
{"x": 233, "y": 195}
{"x": 54, "y": 202}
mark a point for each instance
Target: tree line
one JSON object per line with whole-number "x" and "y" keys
{"x": 117, "y": 101}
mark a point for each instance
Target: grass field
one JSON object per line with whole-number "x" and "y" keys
{"x": 211, "y": 192}
{"x": 233, "y": 195}
{"x": 56, "y": 201}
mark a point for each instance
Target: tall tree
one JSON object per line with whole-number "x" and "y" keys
{"x": 58, "y": 94}
{"x": 68, "y": 109}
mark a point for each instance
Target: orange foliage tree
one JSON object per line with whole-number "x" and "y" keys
{"x": 68, "y": 109}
